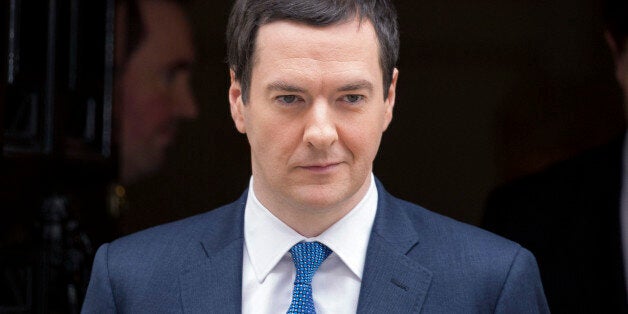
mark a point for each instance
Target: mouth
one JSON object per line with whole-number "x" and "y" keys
{"x": 167, "y": 135}
{"x": 322, "y": 167}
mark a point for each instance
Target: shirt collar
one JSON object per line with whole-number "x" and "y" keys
{"x": 268, "y": 239}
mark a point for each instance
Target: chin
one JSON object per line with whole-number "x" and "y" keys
{"x": 151, "y": 163}
{"x": 322, "y": 197}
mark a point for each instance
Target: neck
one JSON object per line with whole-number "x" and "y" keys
{"x": 307, "y": 219}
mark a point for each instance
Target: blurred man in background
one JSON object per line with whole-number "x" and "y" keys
{"x": 154, "y": 54}
{"x": 574, "y": 215}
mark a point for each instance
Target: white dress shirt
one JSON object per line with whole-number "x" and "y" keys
{"x": 268, "y": 271}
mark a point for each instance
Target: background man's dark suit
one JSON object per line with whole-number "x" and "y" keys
{"x": 568, "y": 216}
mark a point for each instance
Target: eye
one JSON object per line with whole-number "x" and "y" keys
{"x": 287, "y": 99}
{"x": 169, "y": 76}
{"x": 352, "y": 99}
{"x": 173, "y": 74}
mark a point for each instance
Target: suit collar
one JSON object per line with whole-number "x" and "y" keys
{"x": 215, "y": 282}
{"x": 392, "y": 282}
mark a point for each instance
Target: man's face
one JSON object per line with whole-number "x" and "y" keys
{"x": 154, "y": 90}
{"x": 315, "y": 114}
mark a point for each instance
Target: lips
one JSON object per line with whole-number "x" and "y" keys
{"x": 321, "y": 167}
{"x": 166, "y": 134}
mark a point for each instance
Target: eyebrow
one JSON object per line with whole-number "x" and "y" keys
{"x": 287, "y": 87}
{"x": 180, "y": 65}
{"x": 361, "y": 84}
{"x": 284, "y": 87}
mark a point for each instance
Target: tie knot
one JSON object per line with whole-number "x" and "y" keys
{"x": 307, "y": 257}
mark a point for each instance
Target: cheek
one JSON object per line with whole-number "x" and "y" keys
{"x": 362, "y": 136}
{"x": 143, "y": 113}
{"x": 274, "y": 140}
{"x": 363, "y": 141}
{"x": 270, "y": 136}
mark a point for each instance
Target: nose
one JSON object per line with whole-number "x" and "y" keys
{"x": 185, "y": 103}
{"x": 320, "y": 130}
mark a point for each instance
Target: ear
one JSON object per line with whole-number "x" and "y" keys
{"x": 389, "y": 102}
{"x": 235, "y": 103}
{"x": 619, "y": 57}
{"x": 612, "y": 45}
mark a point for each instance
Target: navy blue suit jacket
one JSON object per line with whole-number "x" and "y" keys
{"x": 417, "y": 261}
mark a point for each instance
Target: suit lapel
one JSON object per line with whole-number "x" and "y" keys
{"x": 215, "y": 283}
{"x": 392, "y": 282}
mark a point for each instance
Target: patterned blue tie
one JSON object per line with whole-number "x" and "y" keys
{"x": 307, "y": 257}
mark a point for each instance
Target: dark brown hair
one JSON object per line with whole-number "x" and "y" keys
{"x": 247, "y": 16}
{"x": 134, "y": 25}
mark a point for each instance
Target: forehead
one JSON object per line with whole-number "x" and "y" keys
{"x": 166, "y": 26}
{"x": 345, "y": 46}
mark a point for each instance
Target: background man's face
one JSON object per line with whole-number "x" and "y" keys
{"x": 621, "y": 71}
{"x": 154, "y": 89}
{"x": 315, "y": 115}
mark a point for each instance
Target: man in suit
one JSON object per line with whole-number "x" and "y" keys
{"x": 573, "y": 215}
{"x": 313, "y": 88}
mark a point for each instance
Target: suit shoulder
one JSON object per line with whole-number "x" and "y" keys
{"x": 464, "y": 259}
{"x": 154, "y": 258}
{"x": 179, "y": 238}
{"x": 447, "y": 232}
{"x": 467, "y": 268}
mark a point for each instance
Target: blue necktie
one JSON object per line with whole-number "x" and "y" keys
{"x": 307, "y": 257}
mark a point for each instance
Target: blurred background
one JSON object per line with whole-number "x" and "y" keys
{"x": 489, "y": 91}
